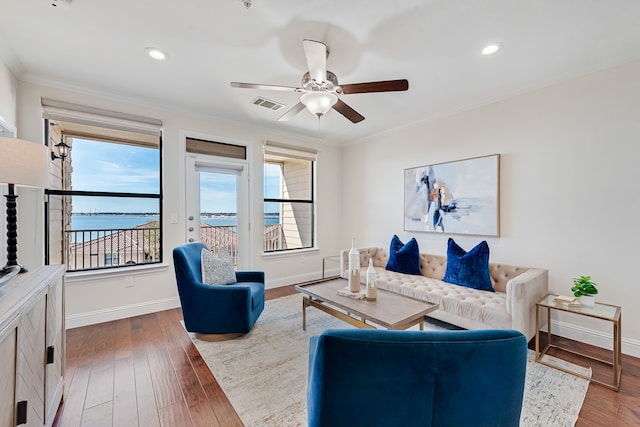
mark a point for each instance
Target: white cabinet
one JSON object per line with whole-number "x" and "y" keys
{"x": 30, "y": 366}
{"x": 32, "y": 347}
{"x": 55, "y": 342}
{"x": 7, "y": 378}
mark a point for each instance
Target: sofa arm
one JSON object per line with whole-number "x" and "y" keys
{"x": 365, "y": 254}
{"x": 523, "y": 292}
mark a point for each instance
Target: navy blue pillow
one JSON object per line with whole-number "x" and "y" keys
{"x": 404, "y": 258}
{"x": 470, "y": 269}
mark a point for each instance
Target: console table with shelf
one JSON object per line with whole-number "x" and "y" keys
{"x": 606, "y": 312}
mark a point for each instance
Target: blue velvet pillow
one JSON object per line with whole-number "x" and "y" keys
{"x": 404, "y": 258}
{"x": 470, "y": 269}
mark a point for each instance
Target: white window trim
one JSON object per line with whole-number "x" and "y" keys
{"x": 110, "y": 273}
{"x": 289, "y": 252}
{"x": 276, "y": 148}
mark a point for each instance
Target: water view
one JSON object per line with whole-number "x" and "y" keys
{"x": 111, "y": 221}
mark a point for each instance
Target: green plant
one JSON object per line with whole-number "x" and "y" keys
{"x": 584, "y": 286}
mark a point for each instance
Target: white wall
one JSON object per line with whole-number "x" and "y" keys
{"x": 103, "y": 298}
{"x": 8, "y": 85}
{"x": 570, "y": 194}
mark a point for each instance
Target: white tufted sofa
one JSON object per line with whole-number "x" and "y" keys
{"x": 511, "y": 306}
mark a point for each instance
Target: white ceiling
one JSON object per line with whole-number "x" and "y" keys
{"x": 98, "y": 46}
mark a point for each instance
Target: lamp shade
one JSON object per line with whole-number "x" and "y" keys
{"x": 23, "y": 163}
{"x": 319, "y": 103}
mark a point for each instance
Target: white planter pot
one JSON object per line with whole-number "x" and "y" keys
{"x": 588, "y": 300}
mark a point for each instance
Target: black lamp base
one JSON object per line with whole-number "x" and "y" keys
{"x": 22, "y": 268}
{"x": 12, "y": 230}
{"x": 8, "y": 273}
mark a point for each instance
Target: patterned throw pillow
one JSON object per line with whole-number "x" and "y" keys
{"x": 470, "y": 269}
{"x": 217, "y": 269}
{"x": 404, "y": 258}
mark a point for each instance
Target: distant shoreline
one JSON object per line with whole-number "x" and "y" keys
{"x": 139, "y": 214}
{"x": 114, "y": 214}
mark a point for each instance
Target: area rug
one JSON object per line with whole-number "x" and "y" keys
{"x": 264, "y": 373}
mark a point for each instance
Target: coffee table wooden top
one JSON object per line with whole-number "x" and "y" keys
{"x": 389, "y": 310}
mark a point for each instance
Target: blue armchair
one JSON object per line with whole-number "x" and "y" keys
{"x": 360, "y": 377}
{"x": 216, "y": 309}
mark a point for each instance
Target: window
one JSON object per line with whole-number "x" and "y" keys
{"x": 111, "y": 258}
{"x": 114, "y": 194}
{"x": 104, "y": 208}
{"x": 289, "y": 209}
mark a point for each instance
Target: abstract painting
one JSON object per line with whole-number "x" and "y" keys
{"x": 460, "y": 197}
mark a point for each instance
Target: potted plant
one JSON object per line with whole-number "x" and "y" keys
{"x": 585, "y": 289}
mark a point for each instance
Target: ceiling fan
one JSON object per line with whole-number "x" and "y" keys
{"x": 320, "y": 88}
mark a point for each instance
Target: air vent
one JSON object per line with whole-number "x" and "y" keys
{"x": 267, "y": 103}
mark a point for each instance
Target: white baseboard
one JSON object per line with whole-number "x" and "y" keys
{"x": 600, "y": 339}
{"x": 107, "y": 315}
{"x": 116, "y": 313}
{"x": 593, "y": 337}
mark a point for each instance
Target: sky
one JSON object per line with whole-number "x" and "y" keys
{"x": 100, "y": 166}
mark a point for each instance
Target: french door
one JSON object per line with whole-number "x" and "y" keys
{"x": 217, "y": 206}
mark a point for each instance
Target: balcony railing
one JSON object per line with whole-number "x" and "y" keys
{"x": 114, "y": 247}
{"x": 274, "y": 238}
{"x": 118, "y": 247}
{"x": 221, "y": 239}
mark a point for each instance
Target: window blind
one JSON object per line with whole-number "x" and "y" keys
{"x": 213, "y": 148}
{"x": 228, "y": 169}
{"x": 278, "y": 149}
{"x": 91, "y": 116}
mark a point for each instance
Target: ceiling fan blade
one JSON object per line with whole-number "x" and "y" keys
{"x": 316, "y": 54}
{"x": 266, "y": 87}
{"x": 348, "y": 112}
{"x": 382, "y": 86}
{"x": 292, "y": 112}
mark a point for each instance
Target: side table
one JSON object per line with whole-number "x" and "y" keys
{"x": 610, "y": 313}
{"x": 332, "y": 258}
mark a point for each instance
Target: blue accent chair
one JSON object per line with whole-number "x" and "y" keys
{"x": 215, "y": 309}
{"x": 360, "y": 377}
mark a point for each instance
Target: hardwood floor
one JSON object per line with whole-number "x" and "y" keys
{"x": 144, "y": 371}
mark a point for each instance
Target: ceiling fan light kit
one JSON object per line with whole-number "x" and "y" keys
{"x": 319, "y": 103}
{"x": 320, "y": 87}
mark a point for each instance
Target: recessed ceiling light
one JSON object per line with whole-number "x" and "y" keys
{"x": 156, "y": 53}
{"x": 492, "y": 48}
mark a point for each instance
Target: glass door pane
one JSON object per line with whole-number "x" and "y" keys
{"x": 219, "y": 212}
{"x": 217, "y": 205}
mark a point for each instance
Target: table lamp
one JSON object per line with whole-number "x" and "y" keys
{"x": 22, "y": 163}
